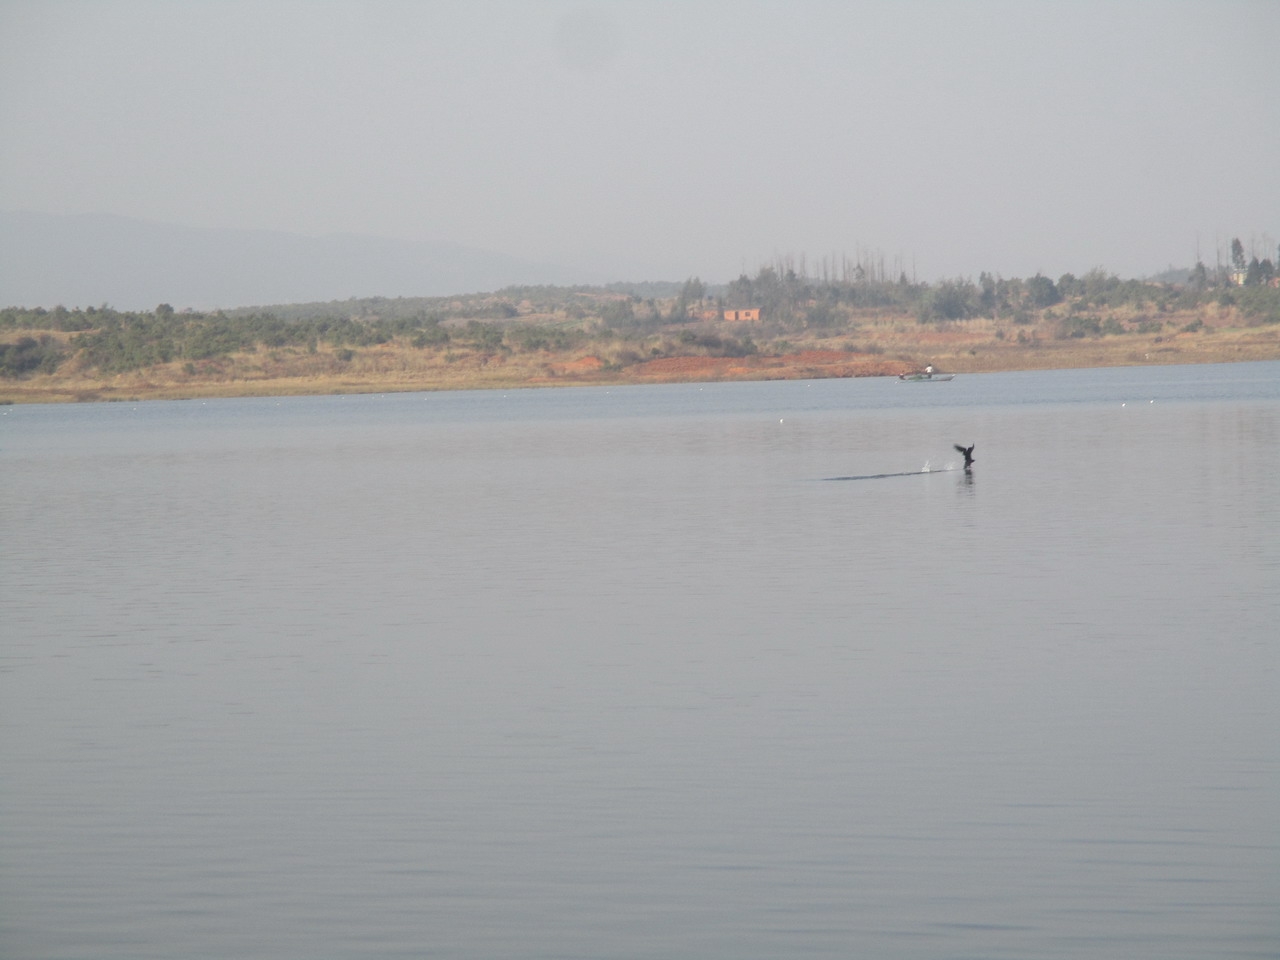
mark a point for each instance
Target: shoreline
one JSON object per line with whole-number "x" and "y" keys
{"x": 893, "y": 349}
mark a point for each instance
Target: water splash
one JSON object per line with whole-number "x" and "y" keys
{"x": 927, "y": 468}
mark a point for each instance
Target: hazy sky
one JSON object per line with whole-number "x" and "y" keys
{"x": 657, "y": 140}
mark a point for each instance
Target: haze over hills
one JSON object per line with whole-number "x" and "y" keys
{"x": 92, "y": 259}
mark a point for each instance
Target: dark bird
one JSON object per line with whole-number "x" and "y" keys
{"x": 968, "y": 454}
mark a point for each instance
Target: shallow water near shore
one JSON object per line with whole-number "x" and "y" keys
{"x": 610, "y": 672}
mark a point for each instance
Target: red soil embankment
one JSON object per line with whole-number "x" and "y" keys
{"x": 805, "y": 365}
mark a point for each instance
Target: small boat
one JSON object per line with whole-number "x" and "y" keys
{"x": 926, "y": 377}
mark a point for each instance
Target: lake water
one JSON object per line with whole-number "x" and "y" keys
{"x": 620, "y": 673}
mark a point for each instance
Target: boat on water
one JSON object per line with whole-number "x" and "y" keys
{"x": 928, "y": 376}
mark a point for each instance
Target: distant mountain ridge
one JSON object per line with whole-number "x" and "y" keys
{"x": 92, "y": 259}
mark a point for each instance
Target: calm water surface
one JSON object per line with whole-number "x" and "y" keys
{"x": 619, "y": 673}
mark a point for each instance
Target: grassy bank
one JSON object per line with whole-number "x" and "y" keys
{"x": 528, "y": 345}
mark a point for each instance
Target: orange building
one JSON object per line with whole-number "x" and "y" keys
{"x": 729, "y": 313}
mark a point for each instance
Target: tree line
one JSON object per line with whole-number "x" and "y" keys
{"x": 113, "y": 341}
{"x": 1246, "y": 273}
{"x": 789, "y": 296}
